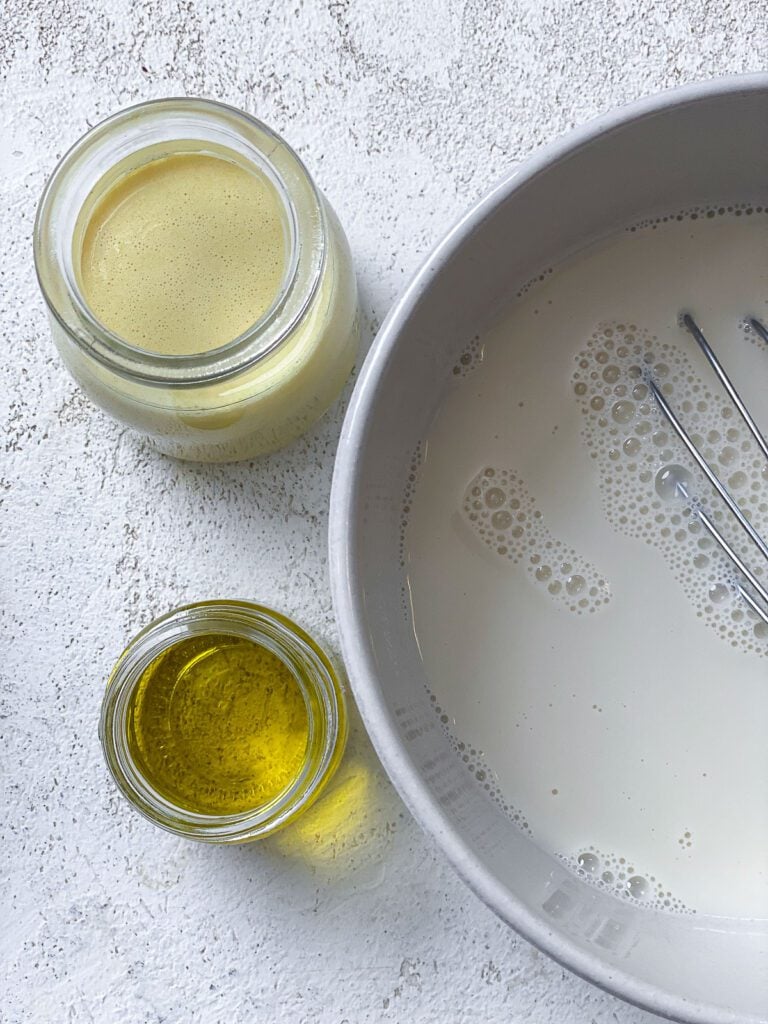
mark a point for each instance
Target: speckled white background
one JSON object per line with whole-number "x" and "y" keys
{"x": 405, "y": 112}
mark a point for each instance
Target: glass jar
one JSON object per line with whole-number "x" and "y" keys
{"x": 308, "y": 664}
{"x": 253, "y": 394}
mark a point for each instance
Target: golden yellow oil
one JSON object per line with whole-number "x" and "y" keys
{"x": 217, "y": 724}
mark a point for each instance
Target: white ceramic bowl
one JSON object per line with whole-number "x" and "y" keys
{"x": 701, "y": 144}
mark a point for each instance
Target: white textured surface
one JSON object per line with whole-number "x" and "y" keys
{"x": 405, "y": 113}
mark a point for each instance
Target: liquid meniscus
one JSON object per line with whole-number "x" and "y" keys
{"x": 218, "y": 724}
{"x": 184, "y": 253}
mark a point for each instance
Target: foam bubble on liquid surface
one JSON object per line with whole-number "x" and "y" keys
{"x": 470, "y": 358}
{"x": 619, "y": 876}
{"x": 502, "y": 513}
{"x": 408, "y": 492}
{"x": 700, "y": 213}
{"x": 648, "y": 489}
{"x": 475, "y": 763}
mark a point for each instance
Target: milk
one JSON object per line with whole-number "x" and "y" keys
{"x": 593, "y": 661}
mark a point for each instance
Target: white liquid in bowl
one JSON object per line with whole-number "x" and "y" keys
{"x": 583, "y": 643}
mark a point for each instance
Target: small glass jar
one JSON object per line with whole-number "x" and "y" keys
{"x": 253, "y": 394}
{"x": 308, "y": 664}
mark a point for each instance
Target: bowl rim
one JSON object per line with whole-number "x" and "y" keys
{"x": 343, "y": 536}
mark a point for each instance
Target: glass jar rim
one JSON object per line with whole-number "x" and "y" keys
{"x": 309, "y": 664}
{"x": 261, "y": 338}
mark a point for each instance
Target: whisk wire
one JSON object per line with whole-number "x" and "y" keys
{"x": 702, "y": 463}
{"x": 759, "y": 328}
{"x": 694, "y": 329}
{"x": 753, "y": 604}
{"x": 757, "y": 599}
{"x": 726, "y": 548}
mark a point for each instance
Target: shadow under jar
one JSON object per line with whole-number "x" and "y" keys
{"x": 229, "y": 400}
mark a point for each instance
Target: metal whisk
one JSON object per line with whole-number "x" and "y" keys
{"x": 750, "y": 587}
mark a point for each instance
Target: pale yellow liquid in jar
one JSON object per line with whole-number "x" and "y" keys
{"x": 184, "y": 253}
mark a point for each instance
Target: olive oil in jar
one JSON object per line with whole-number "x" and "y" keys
{"x": 223, "y": 721}
{"x": 218, "y": 725}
